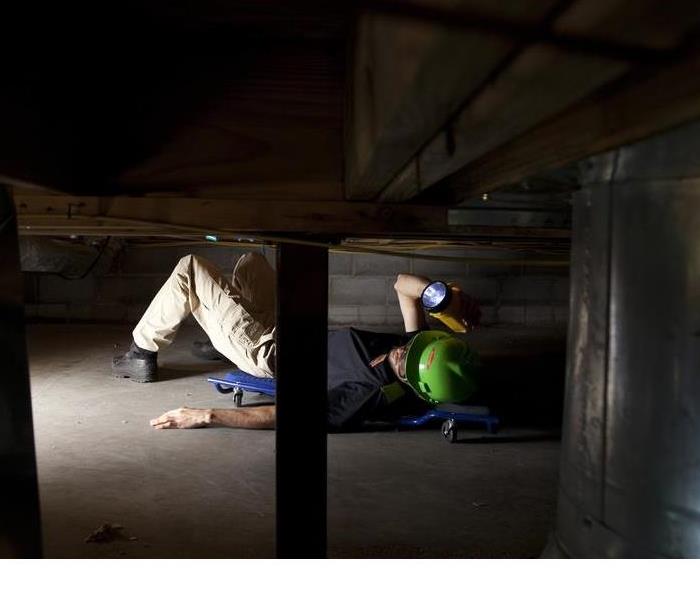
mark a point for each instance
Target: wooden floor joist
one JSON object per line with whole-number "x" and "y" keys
{"x": 74, "y": 214}
{"x": 624, "y": 112}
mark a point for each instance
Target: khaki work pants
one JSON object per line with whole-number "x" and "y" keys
{"x": 238, "y": 316}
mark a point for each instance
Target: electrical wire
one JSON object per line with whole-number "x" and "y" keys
{"x": 92, "y": 264}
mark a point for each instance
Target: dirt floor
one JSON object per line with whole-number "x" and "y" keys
{"x": 210, "y": 493}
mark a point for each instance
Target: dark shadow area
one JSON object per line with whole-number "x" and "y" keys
{"x": 525, "y": 390}
{"x": 183, "y": 371}
{"x": 507, "y": 437}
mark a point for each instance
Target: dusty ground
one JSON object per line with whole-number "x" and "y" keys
{"x": 210, "y": 493}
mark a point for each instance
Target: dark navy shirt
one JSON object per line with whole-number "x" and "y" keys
{"x": 354, "y": 388}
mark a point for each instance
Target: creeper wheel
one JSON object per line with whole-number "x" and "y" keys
{"x": 449, "y": 430}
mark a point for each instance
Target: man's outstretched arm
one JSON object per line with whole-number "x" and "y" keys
{"x": 409, "y": 289}
{"x": 255, "y": 417}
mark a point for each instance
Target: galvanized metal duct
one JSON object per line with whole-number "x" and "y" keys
{"x": 630, "y": 470}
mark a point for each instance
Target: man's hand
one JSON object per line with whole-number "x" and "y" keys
{"x": 183, "y": 418}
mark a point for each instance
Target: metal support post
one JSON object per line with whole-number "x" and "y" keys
{"x": 302, "y": 338}
{"x": 20, "y": 527}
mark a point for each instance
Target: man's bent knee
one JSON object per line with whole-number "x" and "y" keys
{"x": 189, "y": 260}
{"x": 185, "y": 262}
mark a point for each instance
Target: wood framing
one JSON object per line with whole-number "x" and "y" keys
{"x": 408, "y": 77}
{"x": 627, "y": 111}
{"x": 75, "y": 214}
{"x": 432, "y": 96}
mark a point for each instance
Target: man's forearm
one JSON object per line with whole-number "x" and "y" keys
{"x": 408, "y": 290}
{"x": 411, "y": 286}
{"x": 256, "y": 417}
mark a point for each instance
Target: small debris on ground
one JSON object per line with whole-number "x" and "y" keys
{"x": 479, "y": 504}
{"x": 125, "y": 422}
{"x": 105, "y": 533}
{"x": 109, "y": 532}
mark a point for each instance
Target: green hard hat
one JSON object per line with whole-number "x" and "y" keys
{"x": 441, "y": 367}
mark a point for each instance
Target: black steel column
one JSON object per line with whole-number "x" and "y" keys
{"x": 20, "y": 528}
{"x": 302, "y": 325}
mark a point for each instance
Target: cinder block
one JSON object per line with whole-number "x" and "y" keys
{"x": 485, "y": 290}
{"x": 392, "y": 314}
{"x": 358, "y": 291}
{"x": 561, "y": 290}
{"x": 437, "y": 269}
{"x": 53, "y": 288}
{"x": 552, "y": 272}
{"x": 375, "y": 264}
{"x": 103, "y": 311}
{"x": 527, "y": 289}
{"x": 561, "y": 313}
{"x": 539, "y": 315}
{"x": 497, "y": 263}
{"x": 80, "y": 312}
{"x": 342, "y": 316}
{"x": 391, "y": 298}
{"x": 369, "y": 316}
{"x": 129, "y": 290}
{"x": 511, "y": 314}
{"x": 496, "y": 271}
{"x": 134, "y": 312}
{"x": 52, "y": 311}
{"x": 340, "y": 263}
{"x": 489, "y": 315}
{"x": 152, "y": 260}
{"x": 394, "y": 319}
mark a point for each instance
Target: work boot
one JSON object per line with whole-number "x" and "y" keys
{"x": 137, "y": 364}
{"x": 206, "y": 351}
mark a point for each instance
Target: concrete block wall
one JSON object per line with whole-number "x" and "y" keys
{"x": 361, "y": 289}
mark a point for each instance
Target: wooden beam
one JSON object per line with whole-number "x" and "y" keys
{"x": 535, "y": 85}
{"x": 408, "y": 132}
{"x": 228, "y": 112}
{"x": 622, "y": 113}
{"x": 20, "y": 521}
{"x": 302, "y": 340}
{"x": 645, "y": 48}
{"x": 408, "y": 77}
{"x": 76, "y": 213}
